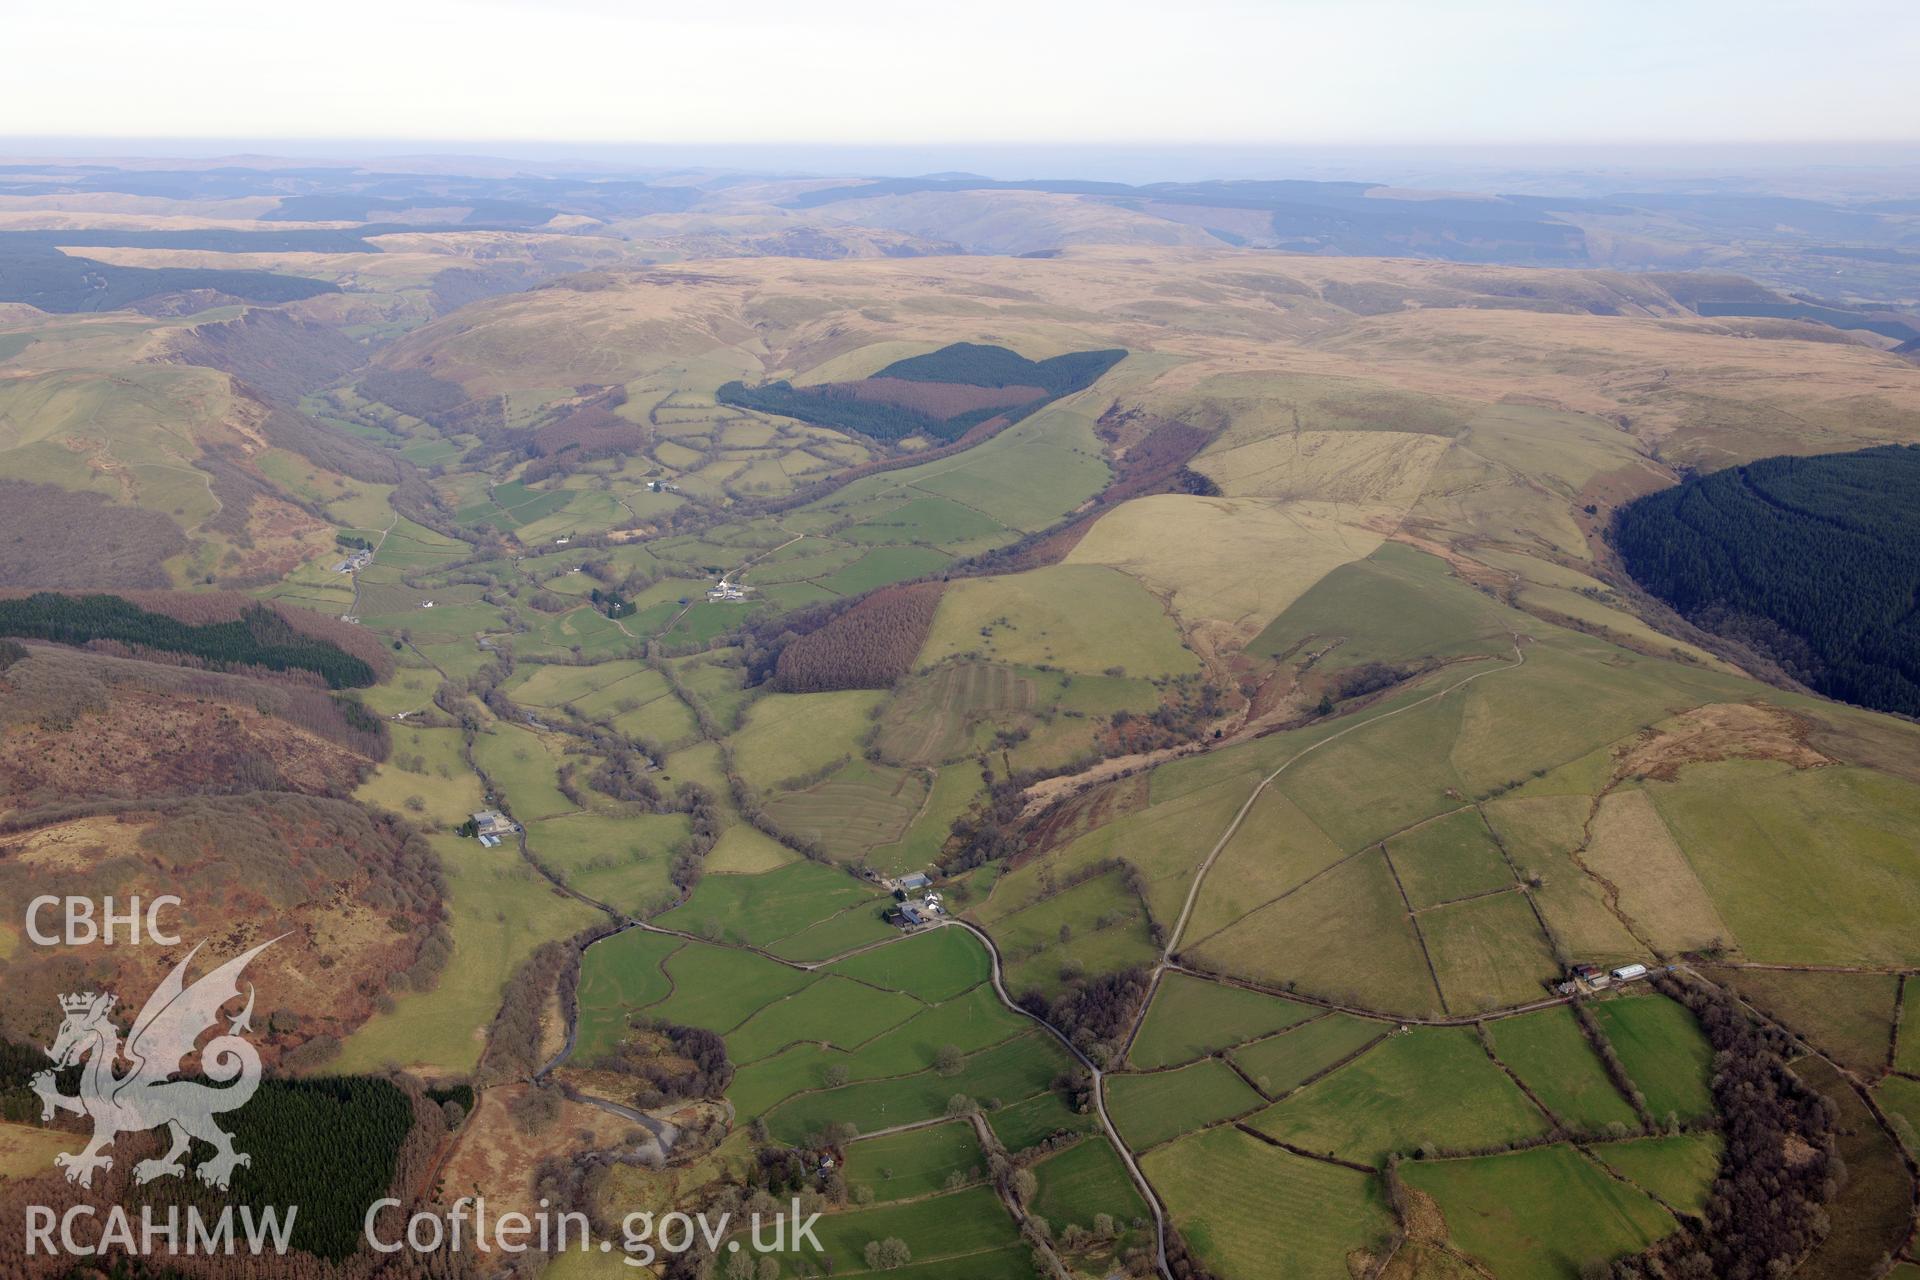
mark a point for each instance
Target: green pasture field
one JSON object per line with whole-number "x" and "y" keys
{"x": 624, "y": 862}
{"x": 905, "y": 1166}
{"x": 1574, "y": 694}
{"x": 762, "y": 909}
{"x": 932, "y": 718}
{"x": 1031, "y": 937}
{"x": 959, "y": 1224}
{"x": 832, "y": 1010}
{"x": 1395, "y": 606}
{"x": 1010, "y": 1072}
{"x": 857, "y": 926}
{"x": 744, "y": 850}
{"x": 1663, "y": 1050}
{"x": 1249, "y": 1209}
{"x": 1150, "y": 1109}
{"x": 1344, "y": 936}
{"x": 1679, "y": 1169}
{"x": 619, "y": 975}
{"x": 720, "y": 987}
{"x": 595, "y": 634}
{"x": 446, "y": 787}
{"x": 1051, "y": 743}
{"x": 1746, "y": 826}
{"x": 1277, "y": 849}
{"x": 1539, "y": 829}
{"x": 933, "y": 521}
{"x": 1027, "y": 483}
{"x": 1489, "y": 953}
{"x": 704, "y": 622}
{"x": 714, "y": 685}
{"x": 1280, "y": 1063}
{"x": 954, "y": 788}
{"x": 934, "y": 965}
{"x": 1899, "y": 1097}
{"x": 1026, "y": 477}
{"x": 665, "y": 722}
{"x": 1085, "y": 618}
{"x": 803, "y": 561}
{"x": 1164, "y": 841}
{"x": 523, "y": 769}
{"x": 1254, "y": 759}
{"x": 558, "y": 685}
{"x": 884, "y": 565}
{"x": 970, "y": 1022}
{"x": 701, "y": 762}
{"x": 630, "y": 693}
{"x": 1451, "y": 857}
{"x": 787, "y": 596}
{"x": 1539, "y": 1215}
{"x": 760, "y": 1086}
{"x": 501, "y": 911}
{"x": 1027, "y": 1124}
{"x": 1385, "y": 777}
{"x": 410, "y": 688}
{"x": 859, "y": 808}
{"x": 584, "y": 511}
{"x": 1086, "y": 1179}
{"x": 1848, "y": 1016}
{"x": 1550, "y": 1054}
{"x": 791, "y": 735}
{"x": 511, "y": 505}
{"x": 458, "y": 658}
{"x": 1019, "y": 921}
{"x": 1191, "y": 1018}
{"x": 1383, "y": 1101}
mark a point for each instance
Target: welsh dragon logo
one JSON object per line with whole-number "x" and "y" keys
{"x": 143, "y": 1096}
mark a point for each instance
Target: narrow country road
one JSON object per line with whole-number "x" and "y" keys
{"x": 1099, "y": 1101}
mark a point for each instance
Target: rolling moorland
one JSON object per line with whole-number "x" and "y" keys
{"x": 1245, "y": 639}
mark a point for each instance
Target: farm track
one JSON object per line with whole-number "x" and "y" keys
{"x": 1239, "y": 819}
{"x": 1372, "y": 1015}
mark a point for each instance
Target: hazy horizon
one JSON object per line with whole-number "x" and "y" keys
{"x": 1837, "y": 168}
{"x": 1231, "y": 72}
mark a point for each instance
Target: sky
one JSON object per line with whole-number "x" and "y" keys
{"x": 1151, "y": 72}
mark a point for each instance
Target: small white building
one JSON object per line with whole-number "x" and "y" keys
{"x": 491, "y": 824}
{"x": 1629, "y": 972}
{"x": 724, "y": 590}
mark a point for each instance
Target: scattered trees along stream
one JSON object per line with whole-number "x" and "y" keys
{"x": 1815, "y": 562}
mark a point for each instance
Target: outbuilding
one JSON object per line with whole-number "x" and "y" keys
{"x": 493, "y": 823}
